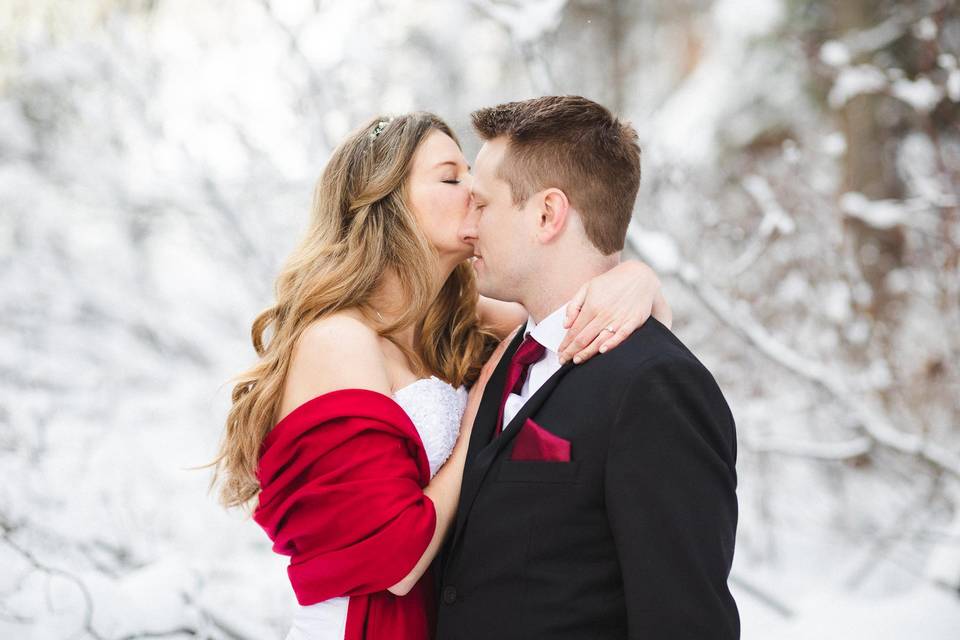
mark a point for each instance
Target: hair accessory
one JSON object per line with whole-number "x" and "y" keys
{"x": 379, "y": 128}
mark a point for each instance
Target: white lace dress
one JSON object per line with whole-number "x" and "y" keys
{"x": 435, "y": 408}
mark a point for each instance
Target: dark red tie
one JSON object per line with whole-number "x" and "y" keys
{"x": 530, "y": 351}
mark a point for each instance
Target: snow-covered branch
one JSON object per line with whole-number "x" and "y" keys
{"x": 855, "y": 44}
{"x": 842, "y": 450}
{"x": 37, "y": 565}
{"x": 875, "y": 423}
{"x": 775, "y": 221}
{"x": 526, "y": 21}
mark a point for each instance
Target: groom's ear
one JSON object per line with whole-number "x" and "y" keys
{"x": 554, "y": 212}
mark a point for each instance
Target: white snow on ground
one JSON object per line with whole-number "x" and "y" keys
{"x": 925, "y": 612}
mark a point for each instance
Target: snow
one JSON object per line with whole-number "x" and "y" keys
{"x": 917, "y": 164}
{"x": 526, "y": 21}
{"x": 834, "y": 54}
{"x": 157, "y": 164}
{"x": 658, "y": 249}
{"x": 943, "y": 567}
{"x": 854, "y": 81}
{"x": 921, "y": 94}
{"x": 834, "y": 144}
{"x": 690, "y": 129}
{"x": 775, "y": 218}
{"x": 747, "y": 18}
{"x": 833, "y": 615}
{"x": 881, "y": 214}
{"x": 836, "y": 302}
{"x": 953, "y": 85}
{"x": 925, "y": 29}
{"x": 324, "y": 39}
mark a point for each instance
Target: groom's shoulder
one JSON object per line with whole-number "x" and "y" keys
{"x": 651, "y": 352}
{"x": 651, "y": 342}
{"x": 654, "y": 357}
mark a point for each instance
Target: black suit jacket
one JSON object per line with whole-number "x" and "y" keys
{"x": 633, "y": 538}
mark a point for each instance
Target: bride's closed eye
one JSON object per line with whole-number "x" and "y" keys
{"x": 452, "y": 181}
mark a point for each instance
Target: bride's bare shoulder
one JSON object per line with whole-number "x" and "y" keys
{"x": 339, "y": 351}
{"x": 340, "y": 328}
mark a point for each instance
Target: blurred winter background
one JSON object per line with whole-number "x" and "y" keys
{"x": 800, "y": 200}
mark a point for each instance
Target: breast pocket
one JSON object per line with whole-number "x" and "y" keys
{"x": 538, "y": 471}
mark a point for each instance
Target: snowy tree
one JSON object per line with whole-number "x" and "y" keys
{"x": 800, "y": 199}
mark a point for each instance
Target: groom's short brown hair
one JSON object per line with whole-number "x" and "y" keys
{"x": 577, "y": 146}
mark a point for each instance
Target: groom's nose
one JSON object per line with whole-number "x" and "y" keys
{"x": 468, "y": 227}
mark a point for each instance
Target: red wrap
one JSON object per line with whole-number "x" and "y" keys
{"x": 342, "y": 480}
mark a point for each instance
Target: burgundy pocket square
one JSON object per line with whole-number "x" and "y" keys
{"x": 533, "y": 442}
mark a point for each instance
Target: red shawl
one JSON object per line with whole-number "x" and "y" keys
{"x": 342, "y": 480}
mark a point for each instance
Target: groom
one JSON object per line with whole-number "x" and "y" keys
{"x": 598, "y": 500}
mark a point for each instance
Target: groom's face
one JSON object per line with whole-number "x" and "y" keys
{"x": 496, "y": 228}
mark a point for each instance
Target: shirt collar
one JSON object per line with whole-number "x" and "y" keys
{"x": 549, "y": 332}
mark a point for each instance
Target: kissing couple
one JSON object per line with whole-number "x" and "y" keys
{"x": 471, "y": 419}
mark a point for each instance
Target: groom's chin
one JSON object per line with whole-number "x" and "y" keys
{"x": 480, "y": 271}
{"x": 484, "y": 289}
{"x": 492, "y": 293}
{"x": 485, "y": 284}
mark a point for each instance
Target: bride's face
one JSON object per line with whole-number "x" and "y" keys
{"x": 439, "y": 192}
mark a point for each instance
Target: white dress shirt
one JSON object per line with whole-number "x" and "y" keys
{"x": 549, "y": 333}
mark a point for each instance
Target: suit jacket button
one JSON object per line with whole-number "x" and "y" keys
{"x": 449, "y": 594}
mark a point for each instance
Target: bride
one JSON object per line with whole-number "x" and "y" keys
{"x": 349, "y": 434}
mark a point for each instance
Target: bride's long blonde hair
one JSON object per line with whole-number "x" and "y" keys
{"x": 361, "y": 227}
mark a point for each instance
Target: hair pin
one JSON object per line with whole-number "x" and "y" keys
{"x": 379, "y": 128}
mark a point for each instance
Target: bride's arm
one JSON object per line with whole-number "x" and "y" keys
{"x": 444, "y": 488}
{"x": 501, "y": 317}
{"x": 622, "y": 299}
{"x": 361, "y": 365}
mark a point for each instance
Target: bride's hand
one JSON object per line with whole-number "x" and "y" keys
{"x": 621, "y": 299}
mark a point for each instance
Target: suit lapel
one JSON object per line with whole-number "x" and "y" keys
{"x": 486, "y": 418}
{"x": 486, "y": 450}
